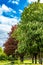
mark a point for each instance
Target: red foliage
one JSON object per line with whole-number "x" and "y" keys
{"x": 13, "y": 29}
{"x": 11, "y": 44}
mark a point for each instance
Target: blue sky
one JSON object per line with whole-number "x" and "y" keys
{"x": 10, "y": 12}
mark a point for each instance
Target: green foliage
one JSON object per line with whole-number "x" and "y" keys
{"x": 38, "y": 0}
{"x": 3, "y": 57}
{"x": 34, "y": 12}
{"x": 2, "y": 54}
{"x": 30, "y": 29}
{"x": 1, "y": 50}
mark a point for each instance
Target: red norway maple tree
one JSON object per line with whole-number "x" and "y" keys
{"x": 11, "y": 44}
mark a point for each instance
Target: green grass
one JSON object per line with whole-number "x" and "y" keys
{"x": 4, "y": 62}
{"x": 18, "y": 62}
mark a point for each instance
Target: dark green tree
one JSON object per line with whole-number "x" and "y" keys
{"x": 38, "y": 0}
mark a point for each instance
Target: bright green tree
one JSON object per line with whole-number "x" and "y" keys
{"x": 30, "y": 30}
{"x": 1, "y": 50}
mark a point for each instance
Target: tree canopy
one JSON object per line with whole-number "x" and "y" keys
{"x": 30, "y": 29}
{"x": 11, "y": 44}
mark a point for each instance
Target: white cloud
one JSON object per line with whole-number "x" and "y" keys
{"x": 4, "y": 8}
{"x": 31, "y": 1}
{"x": 0, "y": 10}
{"x": 5, "y": 26}
{"x": 41, "y": 1}
{"x": 14, "y": 11}
{"x": 6, "y": 23}
{"x": 14, "y": 1}
{"x": 1, "y": 43}
{"x": 20, "y": 10}
{"x": 3, "y": 38}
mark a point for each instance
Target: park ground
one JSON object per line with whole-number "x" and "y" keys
{"x": 18, "y": 62}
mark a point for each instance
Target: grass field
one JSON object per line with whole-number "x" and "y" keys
{"x": 17, "y": 62}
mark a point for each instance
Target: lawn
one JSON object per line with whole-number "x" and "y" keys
{"x": 17, "y": 62}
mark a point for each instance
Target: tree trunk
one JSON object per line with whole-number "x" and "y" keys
{"x": 40, "y": 61}
{"x": 33, "y": 59}
{"x": 40, "y": 58}
{"x": 21, "y": 58}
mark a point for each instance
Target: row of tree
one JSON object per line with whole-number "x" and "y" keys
{"x": 11, "y": 45}
{"x": 27, "y": 36}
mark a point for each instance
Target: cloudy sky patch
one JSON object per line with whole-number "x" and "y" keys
{"x": 41, "y": 1}
{"x": 20, "y": 11}
{"x": 14, "y": 1}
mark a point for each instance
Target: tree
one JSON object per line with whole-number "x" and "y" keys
{"x": 30, "y": 30}
{"x": 38, "y": 0}
{"x": 1, "y": 50}
{"x": 11, "y": 44}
